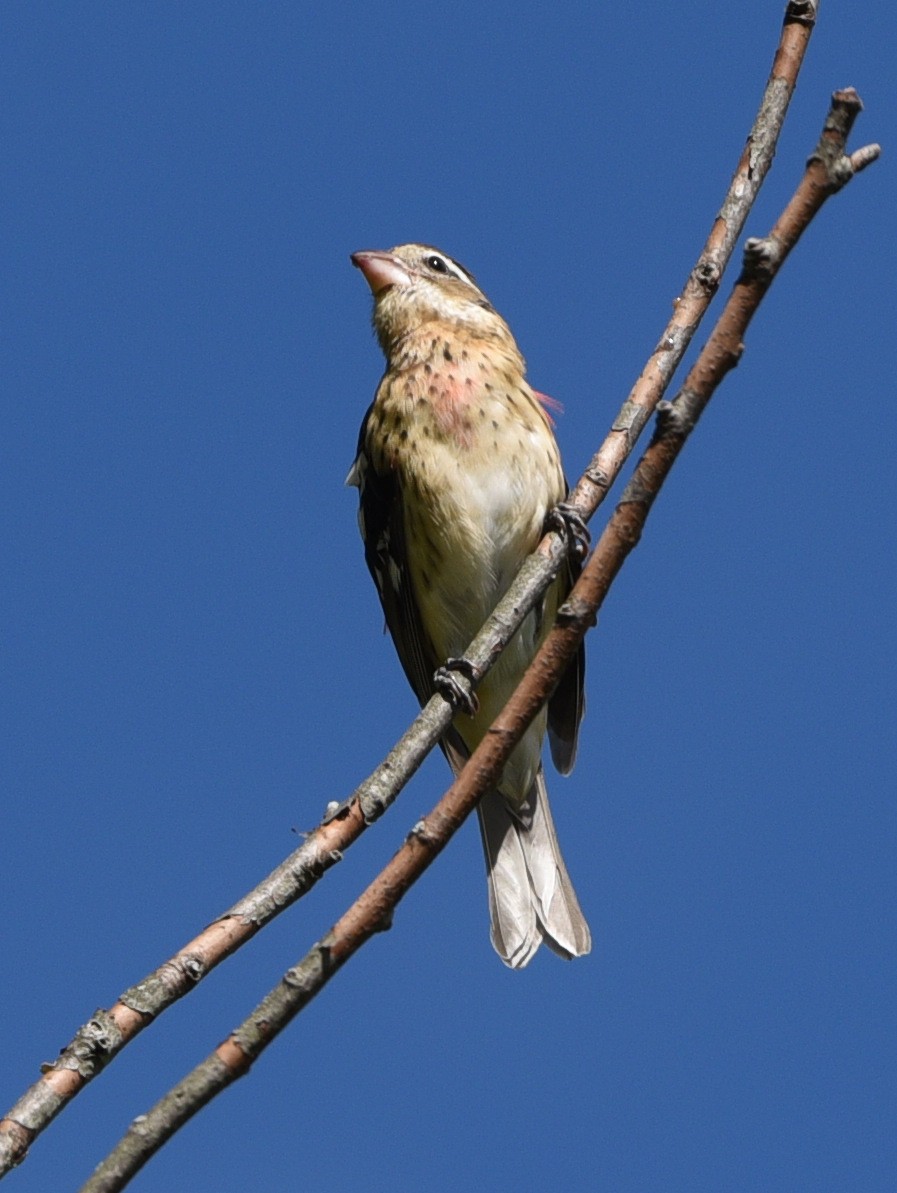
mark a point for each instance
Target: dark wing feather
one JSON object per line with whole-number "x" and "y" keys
{"x": 568, "y": 703}
{"x": 382, "y": 524}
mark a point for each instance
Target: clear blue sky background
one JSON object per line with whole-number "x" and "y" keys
{"x": 193, "y": 662}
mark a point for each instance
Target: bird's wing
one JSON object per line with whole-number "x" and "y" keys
{"x": 568, "y": 704}
{"x": 382, "y": 524}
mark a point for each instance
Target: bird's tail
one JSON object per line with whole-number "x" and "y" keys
{"x": 531, "y": 898}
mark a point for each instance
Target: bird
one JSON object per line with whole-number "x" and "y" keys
{"x": 458, "y": 469}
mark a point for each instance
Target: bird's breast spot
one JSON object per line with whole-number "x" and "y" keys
{"x": 451, "y": 403}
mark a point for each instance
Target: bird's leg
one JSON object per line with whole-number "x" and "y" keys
{"x": 564, "y": 519}
{"x": 450, "y": 687}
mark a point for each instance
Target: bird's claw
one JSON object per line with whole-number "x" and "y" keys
{"x": 449, "y": 686}
{"x": 568, "y": 522}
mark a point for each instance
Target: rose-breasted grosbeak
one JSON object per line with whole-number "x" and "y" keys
{"x": 457, "y": 468}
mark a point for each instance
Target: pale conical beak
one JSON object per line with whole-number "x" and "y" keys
{"x": 381, "y": 269}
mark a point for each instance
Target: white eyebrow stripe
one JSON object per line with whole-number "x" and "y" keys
{"x": 453, "y": 268}
{"x": 459, "y": 272}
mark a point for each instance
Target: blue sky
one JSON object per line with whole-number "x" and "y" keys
{"x": 192, "y": 651}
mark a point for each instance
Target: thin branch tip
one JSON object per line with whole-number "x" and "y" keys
{"x": 830, "y": 153}
{"x": 861, "y": 158}
{"x": 847, "y": 97}
{"x": 801, "y": 12}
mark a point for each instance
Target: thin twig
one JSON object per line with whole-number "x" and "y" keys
{"x": 828, "y": 170}
{"x": 102, "y": 1037}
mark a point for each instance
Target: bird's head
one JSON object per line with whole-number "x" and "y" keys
{"x": 415, "y": 284}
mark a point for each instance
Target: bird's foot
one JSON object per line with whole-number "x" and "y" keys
{"x": 569, "y": 523}
{"x": 450, "y": 687}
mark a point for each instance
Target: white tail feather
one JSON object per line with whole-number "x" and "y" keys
{"x": 531, "y": 898}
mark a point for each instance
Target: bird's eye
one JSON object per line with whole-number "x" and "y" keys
{"x": 437, "y": 264}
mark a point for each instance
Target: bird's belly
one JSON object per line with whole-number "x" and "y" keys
{"x": 469, "y": 525}
{"x": 486, "y": 540}
{"x": 476, "y": 532}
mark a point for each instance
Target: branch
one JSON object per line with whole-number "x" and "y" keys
{"x": 102, "y": 1037}
{"x": 828, "y": 170}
